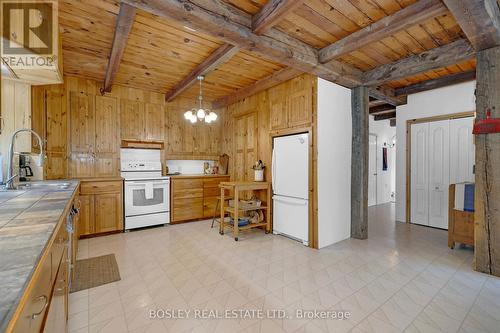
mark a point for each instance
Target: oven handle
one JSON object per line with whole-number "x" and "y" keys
{"x": 160, "y": 182}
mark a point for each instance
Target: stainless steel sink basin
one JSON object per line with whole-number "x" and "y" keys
{"x": 50, "y": 186}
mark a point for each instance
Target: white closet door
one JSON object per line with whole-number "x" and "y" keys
{"x": 462, "y": 151}
{"x": 372, "y": 171}
{"x": 439, "y": 173}
{"x": 419, "y": 174}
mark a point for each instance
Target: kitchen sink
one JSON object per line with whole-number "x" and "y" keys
{"x": 50, "y": 186}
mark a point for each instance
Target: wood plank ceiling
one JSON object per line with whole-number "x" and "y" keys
{"x": 161, "y": 52}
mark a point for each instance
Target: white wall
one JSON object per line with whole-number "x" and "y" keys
{"x": 386, "y": 180}
{"x": 447, "y": 100}
{"x": 334, "y": 163}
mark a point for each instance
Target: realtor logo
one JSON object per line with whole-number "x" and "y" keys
{"x": 29, "y": 33}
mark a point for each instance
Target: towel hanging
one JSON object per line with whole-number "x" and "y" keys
{"x": 148, "y": 191}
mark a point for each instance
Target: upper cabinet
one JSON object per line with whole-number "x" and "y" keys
{"x": 291, "y": 104}
{"x": 141, "y": 121}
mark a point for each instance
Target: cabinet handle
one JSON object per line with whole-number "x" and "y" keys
{"x": 45, "y": 303}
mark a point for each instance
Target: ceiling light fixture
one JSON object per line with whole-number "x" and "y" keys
{"x": 200, "y": 114}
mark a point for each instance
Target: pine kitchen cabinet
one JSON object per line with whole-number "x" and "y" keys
{"x": 193, "y": 197}
{"x": 94, "y": 148}
{"x": 141, "y": 121}
{"x": 101, "y": 206}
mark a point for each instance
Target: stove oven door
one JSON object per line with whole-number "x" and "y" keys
{"x": 146, "y": 197}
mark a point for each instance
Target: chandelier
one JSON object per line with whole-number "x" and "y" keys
{"x": 200, "y": 114}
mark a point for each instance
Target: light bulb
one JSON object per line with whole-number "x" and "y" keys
{"x": 188, "y": 114}
{"x": 201, "y": 113}
{"x": 214, "y": 116}
{"x": 193, "y": 119}
{"x": 208, "y": 119}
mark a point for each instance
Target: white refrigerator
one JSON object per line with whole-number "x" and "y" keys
{"x": 290, "y": 182}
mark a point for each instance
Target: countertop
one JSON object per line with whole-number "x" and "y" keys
{"x": 182, "y": 175}
{"x": 28, "y": 219}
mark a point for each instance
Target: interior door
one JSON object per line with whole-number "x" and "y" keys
{"x": 419, "y": 174}
{"x": 439, "y": 173}
{"x": 372, "y": 171}
{"x": 462, "y": 151}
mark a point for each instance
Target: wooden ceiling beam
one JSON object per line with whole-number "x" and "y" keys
{"x": 214, "y": 60}
{"x": 234, "y": 27}
{"x": 405, "y": 18}
{"x": 439, "y": 57}
{"x": 387, "y": 95}
{"x": 385, "y": 116}
{"x": 479, "y": 20}
{"x": 381, "y": 109}
{"x": 274, "y": 79}
{"x": 436, "y": 83}
{"x": 272, "y": 12}
{"x": 375, "y": 102}
{"x": 124, "y": 21}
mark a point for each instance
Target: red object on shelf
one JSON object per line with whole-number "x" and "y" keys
{"x": 487, "y": 126}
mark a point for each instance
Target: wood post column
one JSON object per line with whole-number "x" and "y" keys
{"x": 359, "y": 163}
{"x": 487, "y": 195}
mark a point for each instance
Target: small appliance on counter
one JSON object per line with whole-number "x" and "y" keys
{"x": 25, "y": 171}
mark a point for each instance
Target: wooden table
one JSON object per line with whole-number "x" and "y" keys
{"x": 236, "y": 187}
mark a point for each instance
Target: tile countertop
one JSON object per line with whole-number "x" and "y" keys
{"x": 28, "y": 219}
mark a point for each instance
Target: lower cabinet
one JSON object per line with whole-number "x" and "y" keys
{"x": 101, "y": 208}
{"x": 194, "y": 198}
{"x": 44, "y": 307}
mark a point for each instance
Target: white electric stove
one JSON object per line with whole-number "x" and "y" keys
{"x": 147, "y": 192}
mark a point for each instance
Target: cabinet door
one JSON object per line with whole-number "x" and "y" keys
{"x": 55, "y": 166}
{"x": 106, "y": 165}
{"x": 82, "y": 122}
{"x": 108, "y": 212}
{"x": 57, "y": 122}
{"x": 106, "y": 129}
{"x": 81, "y": 165}
{"x": 38, "y": 116}
{"x": 278, "y": 107}
{"x": 154, "y": 122}
{"x": 86, "y": 220}
{"x": 58, "y": 310}
{"x": 132, "y": 120}
{"x": 300, "y": 108}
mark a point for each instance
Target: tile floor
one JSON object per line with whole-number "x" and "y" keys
{"x": 402, "y": 279}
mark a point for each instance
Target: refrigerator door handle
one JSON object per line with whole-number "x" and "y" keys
{"x": 292, "y": 201}
{"x": 273, "y": 170}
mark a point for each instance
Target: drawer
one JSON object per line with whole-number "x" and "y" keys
{"x": 183, "y": 184}
{"x": 187, "y": 209}
{"x": 211, "y": 191}
{"x": 214, "y": 182}
{"x": 188, "y": 193}
{"x": 37, "y": 301}
{"x": 101, "y": 187}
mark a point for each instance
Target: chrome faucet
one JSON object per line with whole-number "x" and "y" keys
{"x": 9, "y": 184}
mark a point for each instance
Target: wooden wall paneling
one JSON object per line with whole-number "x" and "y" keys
{"x": 132, "y": 120}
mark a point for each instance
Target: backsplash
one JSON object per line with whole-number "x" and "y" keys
{"x": 187, "y": 166}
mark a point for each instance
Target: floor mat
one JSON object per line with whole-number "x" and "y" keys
{"x": 94, "y": 272}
